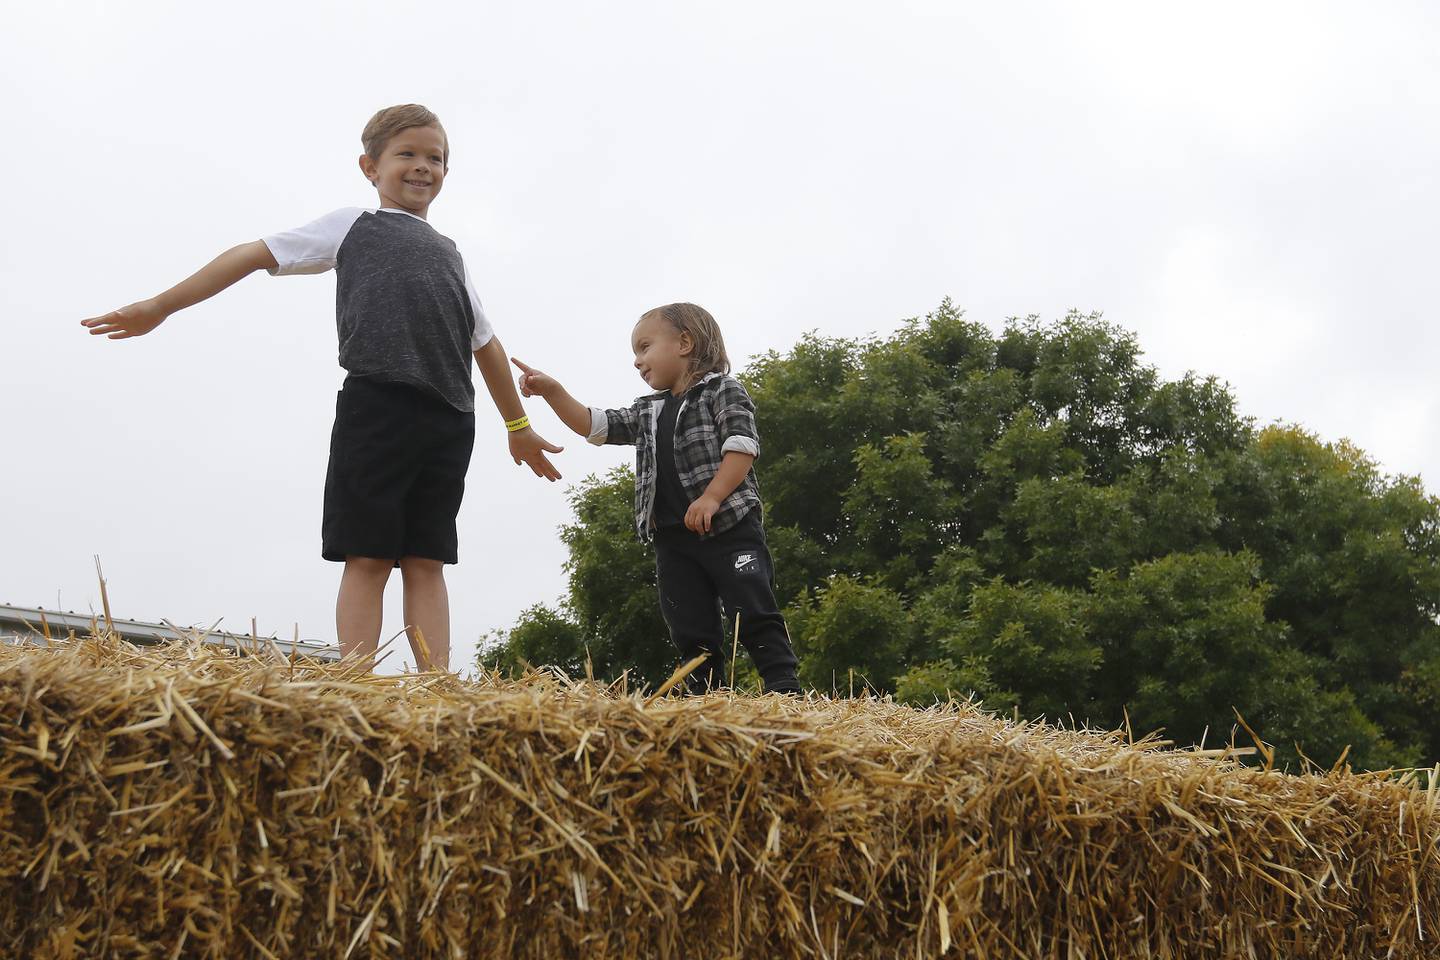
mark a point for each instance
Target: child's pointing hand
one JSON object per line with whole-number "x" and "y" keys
{"x": 532, "y": 382}
{"x": 574, "y": 414}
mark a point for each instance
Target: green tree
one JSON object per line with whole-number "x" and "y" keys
{"x": 1020, "y": 645}
{"x": 847, "y": 627}
{"x": 1354, "y": 559}
{"x": 901, "y": 510}
{"x": 1187, "y": 641}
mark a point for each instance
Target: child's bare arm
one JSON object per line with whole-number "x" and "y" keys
{"x": 141, "y": 317}
{"x": 733, "y": 468}
{"x": 526, "y": 444}
{"x": 571, "y": 412}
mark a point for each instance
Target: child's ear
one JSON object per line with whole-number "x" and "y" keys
{"x": 367, "y": 167}
{"x": 687, "y": 343}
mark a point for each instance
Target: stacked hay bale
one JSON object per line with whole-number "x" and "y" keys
{"x": 185, "y": 803}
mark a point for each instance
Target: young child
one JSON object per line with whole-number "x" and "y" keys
{"x": 409, "y": 320}
{"x": 695, "y": 492}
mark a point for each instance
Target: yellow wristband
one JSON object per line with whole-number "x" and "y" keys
{"x": 520, "y": 424}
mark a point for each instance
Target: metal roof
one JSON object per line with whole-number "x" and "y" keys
{"x": 29, "y": 623}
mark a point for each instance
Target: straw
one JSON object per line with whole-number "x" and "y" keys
{"x": 185, "y": 801}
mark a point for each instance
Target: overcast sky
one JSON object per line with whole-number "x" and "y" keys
{"x": 1250, "y": 188}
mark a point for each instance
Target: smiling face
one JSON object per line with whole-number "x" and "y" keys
{"x": 410, "y": 169}
{"x": 662, "y": 354}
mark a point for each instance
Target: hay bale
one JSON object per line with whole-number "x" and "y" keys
{"x": 187, "y": 803}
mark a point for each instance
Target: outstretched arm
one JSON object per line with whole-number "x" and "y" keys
{"x": 526, "y": 444}
{"x": 571, "y": 412}
{"x": 141, "y": 317}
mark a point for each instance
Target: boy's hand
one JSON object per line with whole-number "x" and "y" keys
{"x": 135, "y": 320}
{"x": 701, "y": 512}
{"x": 532, "y": 382}
{"x": 529, "y": 446}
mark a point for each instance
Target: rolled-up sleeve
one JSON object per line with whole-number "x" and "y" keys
{"x": 734, "y": 413}
{"x": 740, "y": 445}
{"x": 599, "y": 426}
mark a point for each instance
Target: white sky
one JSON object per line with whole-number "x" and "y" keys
{"x": 1250, "y": 188}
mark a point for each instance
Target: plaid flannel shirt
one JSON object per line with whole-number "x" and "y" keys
{"x": 715, "y": 417}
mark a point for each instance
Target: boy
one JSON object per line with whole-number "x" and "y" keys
{"x": 409, "y": 320}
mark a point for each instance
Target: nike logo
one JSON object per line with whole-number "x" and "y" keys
{"x": 743, "y": 560}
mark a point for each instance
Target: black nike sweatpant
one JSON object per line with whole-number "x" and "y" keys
{"x": 704, "y": 580}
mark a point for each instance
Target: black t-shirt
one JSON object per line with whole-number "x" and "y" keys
{"x": 670, "y": 499}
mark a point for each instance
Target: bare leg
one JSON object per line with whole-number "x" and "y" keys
{"x": 358, "y": 608}
{"x": 427, "y": 606}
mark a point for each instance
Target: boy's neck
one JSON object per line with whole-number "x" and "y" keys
{"x": 409, "y": 213}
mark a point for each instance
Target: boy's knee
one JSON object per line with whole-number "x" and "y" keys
{"x": 423, "y": 568}
{"x": 370, "y": 567}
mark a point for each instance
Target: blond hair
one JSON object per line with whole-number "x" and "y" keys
{"x": 390, "y": 121}
{"x": 708, "y": 354}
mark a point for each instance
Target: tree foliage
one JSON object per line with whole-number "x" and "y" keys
{"x": 1036, "y": 518}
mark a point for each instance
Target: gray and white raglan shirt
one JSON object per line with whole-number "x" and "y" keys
{"x": 405, "y": 308}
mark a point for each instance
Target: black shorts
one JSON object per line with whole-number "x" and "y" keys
{"x": 398, "y": 458}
